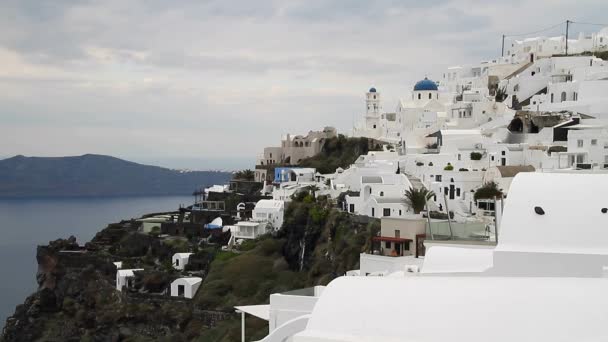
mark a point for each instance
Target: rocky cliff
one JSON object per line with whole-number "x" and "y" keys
{"x": 77, "y": 300}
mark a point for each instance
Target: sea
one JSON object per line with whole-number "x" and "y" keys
{"x": 27, "y": 223}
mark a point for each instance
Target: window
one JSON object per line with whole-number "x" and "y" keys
{"x": 459, "y": 157}
{"x": 593, "y": 142}
{"x": 176, "y": 262}
{"x": 438, "y": 178}
{"x": 381, "y": 193}
{"x": 351, "y": 208}
{"x": 419, "y": 96}
{"x": 563, "y": 98}
{"x": 397, "y": 233}
{"x": 374, "y": 97}
{"x": 579, "y": 143}
{"x": 373, "y": 212}
{"x": 406, "y": 246}
{"x": 580, "y": 159}
{"x": 387, "y": 244}
{"x": 503, "y": 153}
{"x": 446, "y": 190}
{"x": 400, "y": 209}
{"x": 271, "y": 155}
{"x": 551, "y": 97}
{"x": 575, "y": 96}
{"x": 386, "y": 212}
{"x": 430, "y": 96}
{"x": 374, "y": 126}
{"x": 458, "y": 192}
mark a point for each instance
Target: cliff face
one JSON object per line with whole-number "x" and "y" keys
{"x": 77, "y": 300}
{"x": 69, "y": 278}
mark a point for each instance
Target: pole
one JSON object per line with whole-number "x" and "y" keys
{"x": 428, "y": 216}
{"x": 502, "y": 53}
{"x": 495, "y": 221}
{"x": 242, "y": 325}
{"x": 445, "y": 199}
{"x": 567, "y": 29}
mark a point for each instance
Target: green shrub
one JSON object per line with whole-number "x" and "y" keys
{"x": 462, "y": 169}
{"x": 487, "y": 191}
{"x": 476, "y": 156}
{"x": 224, "y": 255}
{"x": 419, "y": 163}
{"x": 448, "y": 167}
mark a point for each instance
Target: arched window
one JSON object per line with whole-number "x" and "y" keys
{"x": 419, "y": 96}
{"x": 430, "y": 96}
{"x": 563, "y": 96}
{"x": 381, "y": 193}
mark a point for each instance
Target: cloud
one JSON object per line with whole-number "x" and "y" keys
{"x": 222, "y": 79}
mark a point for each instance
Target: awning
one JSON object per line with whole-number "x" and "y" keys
{"x": 390, "y": 239}
{"x": 260, "y": 311}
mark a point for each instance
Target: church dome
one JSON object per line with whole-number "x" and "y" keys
{"x": 425, "y": 85}
{"x": 372, "y": 90}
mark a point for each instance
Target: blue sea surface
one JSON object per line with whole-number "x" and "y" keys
{"x": 27, "y": 223}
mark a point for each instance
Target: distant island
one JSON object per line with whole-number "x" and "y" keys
{"x": 93, "y": 175}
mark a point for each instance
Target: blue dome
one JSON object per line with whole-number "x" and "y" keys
{"x": 372, "y": 90}
{"x": 425, "y": 85}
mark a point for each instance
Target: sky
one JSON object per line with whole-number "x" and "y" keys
{"x": 207, "y": 84}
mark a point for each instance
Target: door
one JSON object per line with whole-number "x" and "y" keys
{"x": 398, "y": 248}
{"x": 503, "y": 161}
{"x": 181, "y": 290}
{"x": 452, "y": 189}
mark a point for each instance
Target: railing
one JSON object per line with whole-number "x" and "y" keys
{"x": 473, "y": 231}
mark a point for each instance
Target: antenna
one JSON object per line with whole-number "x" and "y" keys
{"x": 567, "y": 29}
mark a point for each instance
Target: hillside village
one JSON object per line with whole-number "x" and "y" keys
{"x": 448, "y": 183}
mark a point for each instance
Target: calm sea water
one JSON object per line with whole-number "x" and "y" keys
{"x": 26, "y": 223}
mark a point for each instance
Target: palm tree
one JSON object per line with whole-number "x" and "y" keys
{"x": 247, "y": 175}
{"x": 313, "y": 190}
{"x": 417, "y": 198}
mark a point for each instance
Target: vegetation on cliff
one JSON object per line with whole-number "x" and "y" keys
{"x": 340, "y": 152}
{"x": 77, "y": 298}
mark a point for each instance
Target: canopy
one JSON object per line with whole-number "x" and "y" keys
{"x": 260, "y": 311}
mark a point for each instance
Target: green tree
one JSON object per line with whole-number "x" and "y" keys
{"x": 417, "y": 198}
{"x": 313, "y": 190}
{"x": 246, "y": 175}
{"x": 488, "y": 190}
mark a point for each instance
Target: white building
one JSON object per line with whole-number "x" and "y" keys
{"x": 270, "y": 211}
{"x": 180, "y": 260}
{"x": 549, "y": 261}
{"x": 124, "y": 278}
{"x": 249, "y": 230}
{"x": 381, "y": 195}
{"x": 293, "y": 149}
{"x": 185, "y": 287}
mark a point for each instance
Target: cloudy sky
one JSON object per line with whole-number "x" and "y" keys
{"x": 208, "y": 84}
